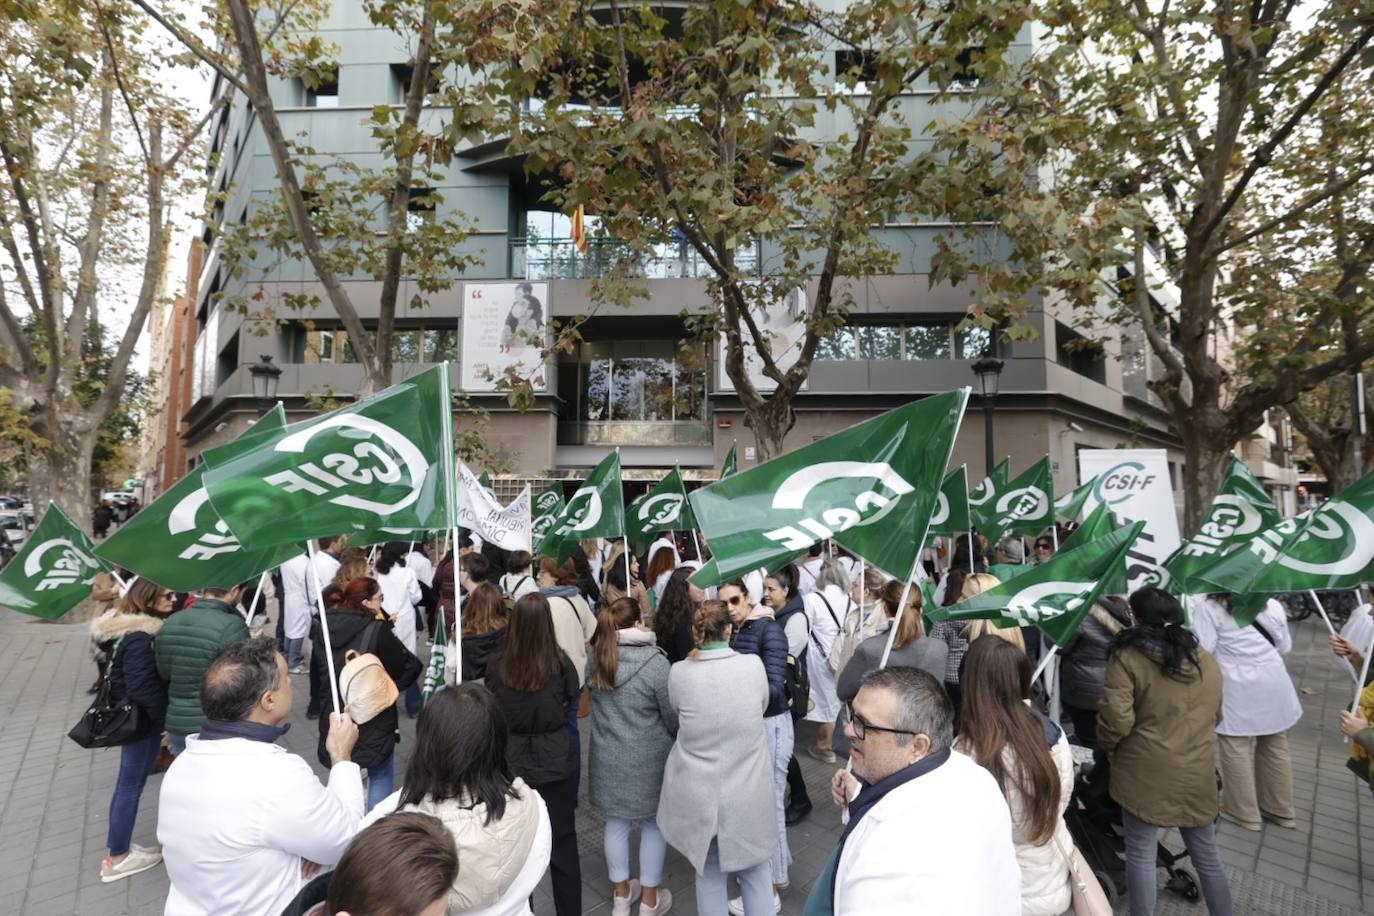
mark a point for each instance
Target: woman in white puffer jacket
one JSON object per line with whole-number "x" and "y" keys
{"x": 1030, "y": 759}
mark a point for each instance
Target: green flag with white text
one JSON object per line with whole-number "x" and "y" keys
{"x": 729, "y": 466}
{"x": 438, "y": 655}
{"x": 1099, "y": 523}
{"x": 1070, "y": 505}
{"x": 951, "y": 517}
{"x": 52, "y": 573}
{"x": 385, "y": 461}
{"x": 596, "y": 510}
{"x": 1054, "y": 596}
{"x": 180, "y": 543}
{"x": 663, "y": 508}
{"x": 1024, "y": 506}
{"x": 872, "y": 487}
{"x": 1240, "y": 510}
{"x": 545, "y": 508}
{"x": 990, "y": 486}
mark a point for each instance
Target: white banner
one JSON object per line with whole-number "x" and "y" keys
{"x": 784, "y": 324}
{"x": 504, "y": 326}
{"x": 507, "y": 527}
{"x": 1135, "y": 485}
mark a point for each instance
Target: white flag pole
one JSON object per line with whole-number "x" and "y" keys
{"x": 123, "y": 585}
{"x": 1044, "y": 662}
{"x": 371, "y": 555}
{"x": 253, "y": 605}
{"x": 324, "y": 628}
{"x": 1321, "y": 610}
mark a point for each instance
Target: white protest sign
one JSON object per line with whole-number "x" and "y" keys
{"x": 1135, "y": 485}
{"x": 507, "y": 527}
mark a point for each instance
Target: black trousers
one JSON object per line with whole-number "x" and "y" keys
{"x": 564, "y": 865}
{"x": 796, "y": 786}
{"x": 319, "y": 672}
{"x": 1084, "y": 724}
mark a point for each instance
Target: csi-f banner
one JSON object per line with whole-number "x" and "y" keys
{"x": 1024, "y": 506}
{"x": 993, "y": 484}
{"x": 951, "y": 517}
{"x": 1240, "y": 510}
{"x": 1135, "y": 485}
{"x": 1054, "y": 596}
{"x": 1070, "y": 506}
{"x": 873, "y": 488}
{"x": 545, "y": 508}
{"x": 386, "y": 461}
{"x": 731, "y": 464}
{"x": 53, "y": 571}
{"x": 596, "y": 510}
{"x": 479, "y": 511}
{"x": 1327, "y": 548}
{"x": 180, "y": 543}
{"x": 664, "y": 508}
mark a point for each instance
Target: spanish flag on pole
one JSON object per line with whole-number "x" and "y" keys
{"x": 579, "y": 230}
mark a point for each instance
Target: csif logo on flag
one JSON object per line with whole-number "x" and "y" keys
{"x": 1026, "y": 604}
{"x": 580, "y": 518}
{"x": 1231, "y": 517}
{"x": 366, "y": 464}
{"x": 941, "y": 514}
{"x": 60, "y": 562}
{"x": 207, "y": 544}
{"x": 1027, "y": 502}
{"x": 868, "y": 504}
{"x": 661, "y": 509}
{"x": 1338, "y": 522}
{"x": 546, "y": 501}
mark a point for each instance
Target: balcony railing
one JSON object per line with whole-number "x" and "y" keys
{"x": 536, "y": 259}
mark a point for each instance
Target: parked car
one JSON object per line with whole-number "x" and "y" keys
{"x": 7, "y": 550}
{"x": 16, "y": 526}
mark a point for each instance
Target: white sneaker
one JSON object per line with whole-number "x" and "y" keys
{"x": 138, "y": 860}
{"x": 620, "y": 906}
{"x": 665, "y": 903}
{"x": 737, "y": 905}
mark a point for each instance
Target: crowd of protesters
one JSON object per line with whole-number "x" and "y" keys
{"x": 694, "y": 699}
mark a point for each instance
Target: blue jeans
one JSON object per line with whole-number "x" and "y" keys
{"x": 294, "y": 656}
{"x": 177, "y": 743}
{"x": 652, "y": 850}
{"x": 135, "y": 763}
{"x": 413, "y": 697}
{"x": 1141, "y": 881}
{"x": 712, "y": 896}
{"x": 778, "y": 735}
{"x": 381, "y": 780}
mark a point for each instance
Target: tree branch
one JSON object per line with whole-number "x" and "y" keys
{"x": 124, "y": 92}
{"x": 15, "y": 332}
{"x": 1326, "y": 193}
{"x": 194, "y": 132}
{"x": 89, "y": 248}
{"x": 1140, "y": 298}
{"x": 194, "y": 45}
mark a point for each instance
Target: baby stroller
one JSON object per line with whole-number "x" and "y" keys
{"x": 1094, "y": 820}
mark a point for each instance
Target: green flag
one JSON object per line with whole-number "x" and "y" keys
{"x": 1054, "y": 596}
{"x": 545, "y": 509}
{"x": 53, "y": 571}
{"x": 438, "y": 655}
{"x": 993, "y": 484}
{"x": 1099, "y": 523}
{"x": 729, "y": 467}
{"x": 386, "y": 461}
{"x": 484, "y": 479}
{"x": 1024, "y": 506}
{"x": 951, "y": 517}
{"x": 1327, "y": 548}
{"x": 872, "y": 487}
{"x": 596, "y": 510}
{"x": 1070, "y": 505}
{"x": 1240, "y": 510}
{"x": 664, "y": 508}
{"x": 180, "y": 543}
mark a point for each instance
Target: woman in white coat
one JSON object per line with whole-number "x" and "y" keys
{"x": 1258, "y": 707}
{"x": 400, "y": 593}
{"x": 828, "y": 605}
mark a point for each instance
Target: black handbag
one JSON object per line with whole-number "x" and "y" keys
{"x": 106, "y": 723}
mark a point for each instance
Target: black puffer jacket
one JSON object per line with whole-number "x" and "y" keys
{"x": 540, "y": 749}
{"x": 377, "y": 737}
{"x": 478, "y": 652}
{"x": 1083, "y": 660}
{"x": 763, "y": 637}
{"x": 133, "y": 672}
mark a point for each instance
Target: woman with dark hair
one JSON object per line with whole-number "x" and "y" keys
{"x": 354, "y": 626}
{"x": 573, "y": 620}
{"x": 400, "y": 866}
{"x": 485, "y": 616}
{"x": 717, "y": 807}
{"x": 1157, "y": 723}
{"x": 615, "y": 584}
{"x": 1083, "y": 664}
{"x": 400, "y": 593}
{"x": 662, "y": 562}
{"x": 676, "y": 609}
{"x": 633, "y": 724}
{"x": 459, "y": 773}
{"x": 535, "y": 684}
{"x": 1029, "y": 757}
{"x": 790, "y": 612}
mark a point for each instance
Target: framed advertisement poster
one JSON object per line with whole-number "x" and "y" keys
{"x": 503, "y": 326}
{"x": 784, "y": 323}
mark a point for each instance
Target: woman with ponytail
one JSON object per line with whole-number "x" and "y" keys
{"x": 632, "y": 729}
{"x": 1157, "y": 722}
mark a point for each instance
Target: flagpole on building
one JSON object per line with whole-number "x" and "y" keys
{"x": 324, "y": 627}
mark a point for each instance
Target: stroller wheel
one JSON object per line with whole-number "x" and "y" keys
{"x": 1108, "y": 887}
{"x": 1184, "y": 884}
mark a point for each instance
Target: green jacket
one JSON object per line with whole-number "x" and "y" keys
{"x": 184, "y": 648}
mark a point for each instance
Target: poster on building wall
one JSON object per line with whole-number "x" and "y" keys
{"x": 1135, "y": 485}
{"x": 784, "y": 324}
{"x": 504, "y": 326}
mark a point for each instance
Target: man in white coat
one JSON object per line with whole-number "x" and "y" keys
{"x": 242, "y": 822}
{"x": 929, "y": 830}
{"x": 297, "y": 606}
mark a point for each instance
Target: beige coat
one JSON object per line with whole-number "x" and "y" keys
{"x": 1160, "y": 737}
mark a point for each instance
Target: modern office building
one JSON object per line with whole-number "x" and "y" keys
{"x": 632, "y": 383}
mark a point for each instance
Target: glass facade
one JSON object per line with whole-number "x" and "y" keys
{"x": 640, "y": 381}
{"x": 899, "y": 340}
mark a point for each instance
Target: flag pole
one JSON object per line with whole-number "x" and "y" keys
{"x": 1321, "y": 610}
{"x": 253, "y": 605}
{"x": 1044, "y": 663}
{"x": 371, "y": 555}
{"x": 123, "y": 586}
{"x": 324, "y": 627}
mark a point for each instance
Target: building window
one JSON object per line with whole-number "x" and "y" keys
{"x": 326, "y": 93}
{"x": 855, "y": 71}
{"x": 927, "y": 340}
{"x": 440, "y": 344}
{"x": 405, "y": 345}
{"x": 1079, "y": 354}
{"x": 911, "y": 340}
{"x": 880, "y": 341}
{"x": 402, "y": 74}
{"x": 973, "y": 343}
{"x": 838, "y": 346}
{"x": 419, "y": 208}
{"x": 634, "y": 381}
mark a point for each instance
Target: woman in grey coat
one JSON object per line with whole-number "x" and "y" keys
{"x": 717, "y": 803}
{"x": 633, "y": 725}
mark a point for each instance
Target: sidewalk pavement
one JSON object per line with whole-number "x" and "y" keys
{"x": 54, "y": 799}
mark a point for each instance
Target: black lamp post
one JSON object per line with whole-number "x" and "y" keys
{"x": 266, "y": 375}
{"x": 989, "y": 372}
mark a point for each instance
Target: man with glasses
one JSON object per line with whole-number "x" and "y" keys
{"x": 929, "y": 830}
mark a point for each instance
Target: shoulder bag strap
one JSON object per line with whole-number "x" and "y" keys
{"x": 1268, "y": 637}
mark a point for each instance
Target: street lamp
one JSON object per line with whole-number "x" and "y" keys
{"x": 989, "y": 372}
{"x": 266, "y": 375}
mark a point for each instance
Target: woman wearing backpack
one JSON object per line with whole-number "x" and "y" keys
{"x": 633, "y": 724}
{"x": 1259, "y": 705}
{"x": 827, "y": 607}
{"x": 354, "y": 627}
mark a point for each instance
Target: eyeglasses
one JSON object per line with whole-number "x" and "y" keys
{"x": 738, "y": 599}
{"x": 862, "y": 726}
{"x": 167, "y": 596}
{"x": 1042, "y": 547}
